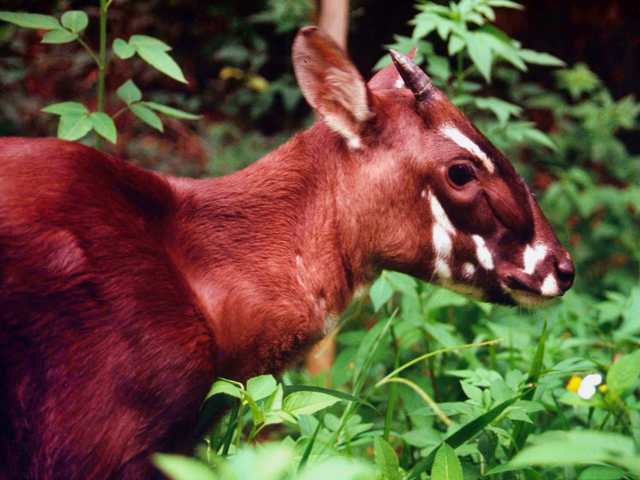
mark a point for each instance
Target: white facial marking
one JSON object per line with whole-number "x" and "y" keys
{"x": 439, "y": 215}
{"x": 442, "y": 231}
{"x": 549, "y": 287}
{"x": 532, "y": 256}
{"x": 468, "y": 270}
{"x": 482, "y": 252}
{"x": 399, "y": 83}
{"x": 452, "y": 133}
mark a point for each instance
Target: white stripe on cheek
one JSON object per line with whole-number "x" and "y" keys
{"x": 482, "y": 252}
{"x": 441, "y": 233}
{"x": 549, "y": 287}
{"x": 532, "y": 256}
{"x": 452, "y": 133}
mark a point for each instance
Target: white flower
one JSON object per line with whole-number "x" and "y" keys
{"x": 588, "y": 386}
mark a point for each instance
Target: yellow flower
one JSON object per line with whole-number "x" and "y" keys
{"x": 603, "y": 388}
{"x": 257, "y": 83}
{"x": 574, "y": 383}
{"x": 231, "y": 72}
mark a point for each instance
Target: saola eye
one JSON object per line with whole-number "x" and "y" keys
{"x": 461, "y": 173}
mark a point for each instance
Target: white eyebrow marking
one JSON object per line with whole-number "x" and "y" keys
{"x": 452, "y": 133}
{"x": 532, "y": 256}
{"x": 442, "y": 231}
{"x": 482, "y": 252}
{"x": 399, "y": 83}
{"x": 549, "y": 287}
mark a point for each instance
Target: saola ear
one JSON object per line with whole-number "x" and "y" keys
{"x": 389, "y": 77}
{"x": 331, "y": 84}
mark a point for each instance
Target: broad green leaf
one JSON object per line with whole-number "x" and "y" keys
{"x": 122, "y": 49}
{"x": 160, "y": 60}
{"x": 505, "y": 4}
{"x": 288, "y": 389}
{"x": 104, "y": 126}
{"x": 59, "y": 36}
{"x": 178, "y": 467}
{"x": 261, "y": 387}
{"x": 386, "y": 459}
{"x": 172, "y": 112}
{"x": 540, "y": 58}
{"x": 75, "y": 20}
{"x": 380, "y": 292}
{"x": 224, "y": 387}
{"x": 480, "y": 54}
{"x": 307, "y": 403}
{"x": 446, "y": 465}
{"x": 147, "y": 115}
{"x": 337, "y": 468}
{"x": 30, "y": 20}
{"x": 148, "y": 42}
{"x": 587, "y": 448}
{"x": 129, "y": 92}
{"x": 65, "y": 108}
{"x": 602, "y": 472}
{"x": 456, "y": 43}
{"x": 624, "y": 374}
{"x": 74, "y": 126}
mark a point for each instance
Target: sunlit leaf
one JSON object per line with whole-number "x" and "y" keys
{"x": 65, "y": 108}
{"x": 129, "y": 92}
{"x": 59, "y": 36}
{"x": 171, "y": 112}
{"x": 446, "y": 465}
{"x": 75, "y": 20}
{"x": 30, "y": 20}
{"x": 104, "y": 126}
{"x": 74, "y": 126}
{"x": 147, "y": 115}
{"x": 162, "y": 61}
{"x": 122, "y": 49}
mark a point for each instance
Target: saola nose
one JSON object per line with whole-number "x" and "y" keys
{"x": 566, "y": 273}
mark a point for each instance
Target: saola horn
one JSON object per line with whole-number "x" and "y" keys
{"x": 414, "y": 78}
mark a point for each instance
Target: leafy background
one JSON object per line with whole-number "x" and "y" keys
{"x": 425, "y": 383}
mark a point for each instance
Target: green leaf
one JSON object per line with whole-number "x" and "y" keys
{"x": 540, "y": 58}
{"x": 624, "y": 374}
{"x": 147, "y": 115}
{"x": 446, "y": 465}
{"x": 178, "y": 467}
{"x": 456, "y": 43}
{"x": 122, "y": 49}
{"x": 74, "y": 126}
{"x": 480, "y": 55}
{"x": 148, "y": 42}
{"x": 386, "y": 459}
{"x": 587, "y": 448}
{"x": 307, "y": 403}
{"x": 59, "y": 36}
{"x": 66, "y": 108}
{"x": 380, "y": 292}
{"x": 288, "y": 389}
{"x": 104, "y": 126}
{"x": 129, "y": 92}
{"x": 75, "y": 20}
{"x": 30, "y": 20}
{"x": 172, "y": 112}
{"x": 261, "y": 387}
{"x": 161, "y": 61}
{"x": 224, "y": 387}
{"x": 602, "y": 472}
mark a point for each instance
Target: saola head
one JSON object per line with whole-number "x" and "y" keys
{"x": 424, "y": 191}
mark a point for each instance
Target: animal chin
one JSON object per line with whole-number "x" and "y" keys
{"x": 527, "y": 299}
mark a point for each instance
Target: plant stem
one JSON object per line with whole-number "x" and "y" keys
{"x": 90, "y": 51}
{"x": 102, "y": 53}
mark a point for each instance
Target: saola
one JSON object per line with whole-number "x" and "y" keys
{"x": 124, "y": 293}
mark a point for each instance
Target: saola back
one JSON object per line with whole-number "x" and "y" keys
{"x": 124, "y": 293}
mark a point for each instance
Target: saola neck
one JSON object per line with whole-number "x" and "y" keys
{"x": 267, "y": 246}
